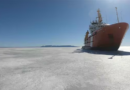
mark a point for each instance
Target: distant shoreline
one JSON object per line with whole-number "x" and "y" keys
{"x": 42, "y": 46}
{"x": 58, "y": 46}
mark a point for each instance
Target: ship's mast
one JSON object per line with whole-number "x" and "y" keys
{"x": 99, "y": 16}
{"x": 117, "y": 15}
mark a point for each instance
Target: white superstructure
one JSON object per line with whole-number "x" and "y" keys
{"x": 97, "y": 24}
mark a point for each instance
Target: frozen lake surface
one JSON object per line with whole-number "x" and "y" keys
{"x": 64, "y": 69}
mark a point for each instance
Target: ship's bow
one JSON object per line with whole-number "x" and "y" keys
{"x": 112, "y": 36}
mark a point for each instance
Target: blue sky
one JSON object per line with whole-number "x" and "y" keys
{"x": 56, "y": 22}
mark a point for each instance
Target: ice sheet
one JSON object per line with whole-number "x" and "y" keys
{"x": 64, "y": 69}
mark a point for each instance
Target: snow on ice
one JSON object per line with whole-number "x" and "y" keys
{"x": 64, "y": 69}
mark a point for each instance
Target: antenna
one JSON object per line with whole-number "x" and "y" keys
{"x": 121, "y": 16}
{"x": 106, "y": 18}
{"x": 117, "y": 15}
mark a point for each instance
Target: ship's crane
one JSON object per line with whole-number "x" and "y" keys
{"x": 99, "y": 16}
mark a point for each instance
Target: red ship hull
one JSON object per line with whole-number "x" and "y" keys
{"x": 107, "y": 38}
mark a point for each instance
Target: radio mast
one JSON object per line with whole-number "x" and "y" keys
{"x": 117, "y": 15}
